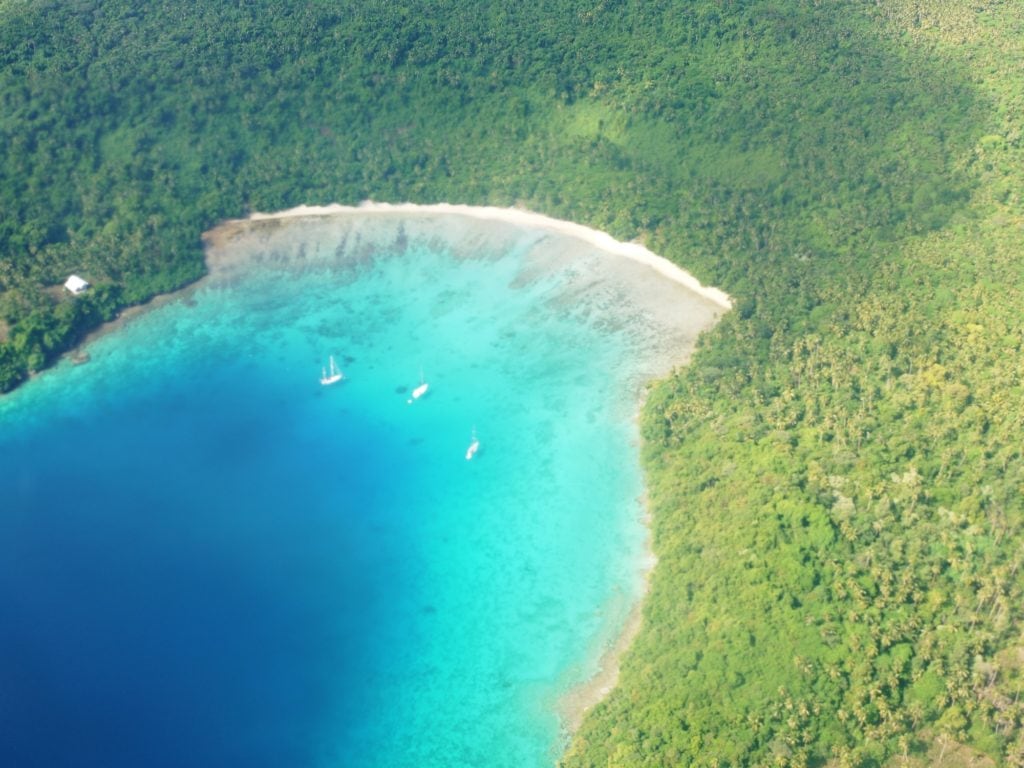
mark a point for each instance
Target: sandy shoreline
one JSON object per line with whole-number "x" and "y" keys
{"x": 579, "y": 699}
{"x": 225, "y": 254}
{"x": 525, "y": 219}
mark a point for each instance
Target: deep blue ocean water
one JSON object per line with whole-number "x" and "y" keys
{"x": 208, "y": 559}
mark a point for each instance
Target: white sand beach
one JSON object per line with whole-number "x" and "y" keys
{"x": 520, "y": 218}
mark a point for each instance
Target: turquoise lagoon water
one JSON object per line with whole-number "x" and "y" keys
{"x": 208, "y": 559}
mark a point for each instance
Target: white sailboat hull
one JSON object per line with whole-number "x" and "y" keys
{"x": 330, "y": 378}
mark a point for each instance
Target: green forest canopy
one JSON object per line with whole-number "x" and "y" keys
{"x": 836, "y": 480}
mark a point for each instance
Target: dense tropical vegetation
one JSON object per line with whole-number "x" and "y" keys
{"x": 836, "y": 479}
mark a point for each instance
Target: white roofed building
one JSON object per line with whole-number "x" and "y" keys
{"x": 75, "y": 284}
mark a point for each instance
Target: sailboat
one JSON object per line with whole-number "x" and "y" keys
{"x": 333, "y": 377}
{"x": 474, "y": 446}
{"x": 420, "y": 391}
